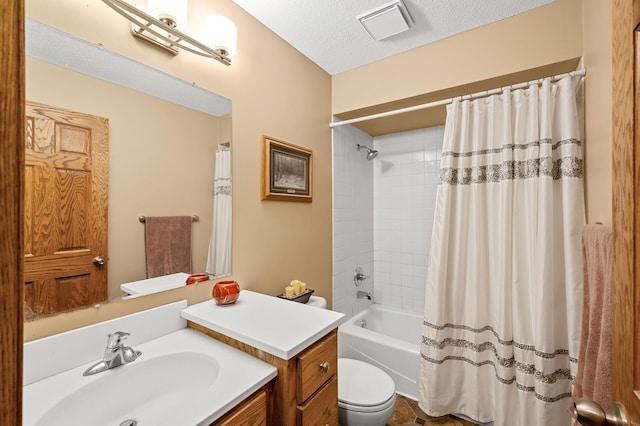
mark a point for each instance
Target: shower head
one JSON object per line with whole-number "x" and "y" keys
{"x": 371, "y": 153}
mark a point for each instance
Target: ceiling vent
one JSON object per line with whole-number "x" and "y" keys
{"x": 387, "y": 20}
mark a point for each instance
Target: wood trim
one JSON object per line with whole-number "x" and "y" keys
{"x": 436, "y": 116}
{"x": 632, "y": 308}
{"x": 625, "y": 214}
{"x": 11, "y": 209}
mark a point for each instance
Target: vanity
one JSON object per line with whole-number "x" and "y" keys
{"x": 299, "y": 340}
{"x": 182, "y": 377}
{"x": 260, "y": 361}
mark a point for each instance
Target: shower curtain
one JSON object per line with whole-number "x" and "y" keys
{"x": 219, "y": 258}
{"x": 504, "y": 286}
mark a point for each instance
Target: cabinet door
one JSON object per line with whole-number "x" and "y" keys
{"x": 315, "y": 366}
{"x": 251, "y": 412}
{"x": 322, "y": 408}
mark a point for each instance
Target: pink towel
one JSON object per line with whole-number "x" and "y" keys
{"x": 593, "y": 379}
{"x": 168, "y": 245}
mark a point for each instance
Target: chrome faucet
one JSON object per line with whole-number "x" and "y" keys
{"x": 115, "y": 354}
{"x": 364, "y": 295}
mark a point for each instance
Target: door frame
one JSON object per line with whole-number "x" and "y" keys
{"x": 626, "y": 208}
{"x": 12, "y": 65}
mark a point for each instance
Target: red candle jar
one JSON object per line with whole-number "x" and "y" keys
{"x": 196, "y": 278}
{"x": 225, "y": 292}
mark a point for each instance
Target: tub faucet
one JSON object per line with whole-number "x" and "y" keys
{"x": 115, "y": 354}
{"x": 364, "y": 295}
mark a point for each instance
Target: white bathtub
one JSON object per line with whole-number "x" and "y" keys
{"x": 390, "y": 339}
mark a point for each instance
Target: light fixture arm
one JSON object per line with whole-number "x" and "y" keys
{"x": 173, "y": 37}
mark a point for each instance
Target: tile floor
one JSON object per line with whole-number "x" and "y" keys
{"x": 407, "y": 413}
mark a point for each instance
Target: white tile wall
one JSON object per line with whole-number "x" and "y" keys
{"x": 383, "y": 215}
{"x": 352, "y": 218}
{"x": 405, "y": 179}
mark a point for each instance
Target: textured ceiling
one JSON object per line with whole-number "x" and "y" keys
{"x": 328, "y": 33}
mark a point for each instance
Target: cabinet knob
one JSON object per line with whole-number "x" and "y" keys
{"x": 325, "y": 366}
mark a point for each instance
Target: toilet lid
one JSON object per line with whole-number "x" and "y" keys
{"x": 362, "y": 384}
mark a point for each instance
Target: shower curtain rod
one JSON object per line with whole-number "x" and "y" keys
{"x": 577, "y": 73}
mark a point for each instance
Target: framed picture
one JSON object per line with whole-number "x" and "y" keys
{"x": 287, "y": 171}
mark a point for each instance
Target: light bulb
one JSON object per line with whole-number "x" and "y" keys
{"x": 222, "y": 34}
{"x": 172, "y": 10}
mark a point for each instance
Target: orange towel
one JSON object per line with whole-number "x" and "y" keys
{"x": 593, "y": 379}
{"x": 168, "y": 245}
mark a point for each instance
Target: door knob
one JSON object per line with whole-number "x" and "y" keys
{"x": 98, "y": 260}
{"x": 590, "y": 413}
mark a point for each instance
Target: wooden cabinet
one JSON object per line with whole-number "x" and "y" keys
{"x": 317, "y": 383}
{"x": 315, "y": 366}
{"x": 253, "y": 411}
{"x": 305, "y": 391}
{"x": 322, "y": 408}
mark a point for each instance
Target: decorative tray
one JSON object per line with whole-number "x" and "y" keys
{"x": 301, "y": 298}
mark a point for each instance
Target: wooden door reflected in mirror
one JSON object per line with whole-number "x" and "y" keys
{"x": 66, "y": 190}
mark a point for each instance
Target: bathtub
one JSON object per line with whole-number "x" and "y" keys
{"x": 388, "y": 338}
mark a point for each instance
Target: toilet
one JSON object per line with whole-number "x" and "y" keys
{"x": 318, "y": 302}
{"x": 366, "y": 394}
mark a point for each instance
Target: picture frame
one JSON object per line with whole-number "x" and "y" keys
{"x": 287, "y": 171}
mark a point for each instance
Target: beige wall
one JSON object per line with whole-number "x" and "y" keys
{"x": 597, "y": 22}
{"x": 275, "y": 91}
{"x": 544, "y": 36}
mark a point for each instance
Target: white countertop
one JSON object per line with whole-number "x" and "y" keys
{"x": 237, "y": 377}
{"x": 155, "y": 285}
{"x": 280, "y": 327}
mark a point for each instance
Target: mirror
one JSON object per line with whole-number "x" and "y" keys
{"x": 164, "y": 135}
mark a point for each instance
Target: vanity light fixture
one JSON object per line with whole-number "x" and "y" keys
{"x": 160, "y": 27}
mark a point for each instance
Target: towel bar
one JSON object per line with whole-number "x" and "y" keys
{"x": 194, "y": 218}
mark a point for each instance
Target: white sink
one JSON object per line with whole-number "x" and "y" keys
{"x": 183, "y": 378}
{"x": 166, "y": 382}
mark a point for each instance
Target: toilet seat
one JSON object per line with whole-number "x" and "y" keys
{"x": 363, "y": 387}
{"x": 370, "y": 409}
